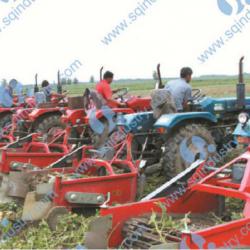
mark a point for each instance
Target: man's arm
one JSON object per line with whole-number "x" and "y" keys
{"x": 108, "y": 96}
{"x": 187, "y": 97}
{"x": 116, "y": 90}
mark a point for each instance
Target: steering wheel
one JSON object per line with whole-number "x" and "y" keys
{"x": 196, "y": 94}
{"x": 121, "y": 93}
{"x": 60, "y": 97}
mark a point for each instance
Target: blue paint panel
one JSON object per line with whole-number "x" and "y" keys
{"x": 171, "y": 120}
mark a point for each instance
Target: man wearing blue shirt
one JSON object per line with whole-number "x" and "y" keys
{"x": 47, "y": 90}
{"x": 180, "y": 89}
{"x": 7, "y": 91}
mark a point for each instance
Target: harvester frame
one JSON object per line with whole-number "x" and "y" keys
{"x": 201, "y": 196}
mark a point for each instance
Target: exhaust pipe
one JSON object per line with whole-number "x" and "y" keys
{"x": 36, "y": 88}
{"x": 241, "y": 88}
{"x": 59, "y": 84}
{"x": 101, "y": 70}
{"x": 160, "y": 86}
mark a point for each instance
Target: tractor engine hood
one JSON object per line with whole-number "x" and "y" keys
{"x": 213, "y": 105}
{"x": 169, "y": 121}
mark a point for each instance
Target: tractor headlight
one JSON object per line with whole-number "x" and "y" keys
{"x": 243, "y": 118}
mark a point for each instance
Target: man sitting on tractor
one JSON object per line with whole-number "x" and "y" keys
{"x": 180, "y": 89}
{"x": 46, "y": 88}
{"x": 104, "y": 89}
{"x": 7, "y": 97}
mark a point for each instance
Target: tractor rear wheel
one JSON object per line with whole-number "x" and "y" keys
{"x": 187, "y": 144}
{"x": 49, "y": 126}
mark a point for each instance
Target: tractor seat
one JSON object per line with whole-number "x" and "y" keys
{"x": 162, "y": 103}
{"x": 92, "y": 99}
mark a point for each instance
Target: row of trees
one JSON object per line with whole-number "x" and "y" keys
{"x": 67, "y": 81}
{"x": 155, "y": 77}
{"x": 75, "y": 81}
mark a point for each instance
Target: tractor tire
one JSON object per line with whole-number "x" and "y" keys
{"x": 21, "y": 130}
{"x": 48, "y": 123}
{"x": 173, "y": 161}
{"x": 5, "y": 120}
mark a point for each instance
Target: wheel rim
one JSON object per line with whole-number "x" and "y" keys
{"x": 195, "y": 148}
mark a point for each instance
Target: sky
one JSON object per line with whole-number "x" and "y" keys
{"x": 52, "y": 34}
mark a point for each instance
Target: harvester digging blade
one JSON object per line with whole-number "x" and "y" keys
{"x": 4, "y": 188}
{"x": 19, "y": 184}
{"x": 97, "y": 237}
{"x": 34, "y": 210}
{"x": 14, "y": 185}
{"x": 169, "y": 186}
{"x": 54, "y": 216}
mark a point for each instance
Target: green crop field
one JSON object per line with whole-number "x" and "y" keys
{"x": 211, "y": 87}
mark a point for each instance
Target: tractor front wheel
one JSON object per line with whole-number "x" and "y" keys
{"x": 186, "y": 145}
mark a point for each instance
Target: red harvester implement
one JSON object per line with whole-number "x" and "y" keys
{"x": 129, "y": 225}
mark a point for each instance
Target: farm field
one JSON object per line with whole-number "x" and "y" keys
{"x": 210, "y": 87}
{"x": 70, "y": 231}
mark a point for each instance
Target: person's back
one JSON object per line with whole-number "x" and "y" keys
{"x": 180, "y": 89}
{"x": 46, "y": 88}
{"x": 6, "y": 94}
{"x": 6, "y": 99}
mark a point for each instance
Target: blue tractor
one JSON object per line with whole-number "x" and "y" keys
{"x": 178, "y": 139}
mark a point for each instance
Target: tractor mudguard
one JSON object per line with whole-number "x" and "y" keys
{"x": 36, "y": 113}
{"x": 137, "y": 122}
{"x": 170, "y": 121}
{"x": 74, "y": 116}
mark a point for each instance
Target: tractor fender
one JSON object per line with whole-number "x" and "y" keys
{"x": 137, "y": 122}
{"x": 74, "y": 115}
{"x": 170, "y": 121}
{"x": 37, "y": 113}
{"x": 101, "y": 113}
